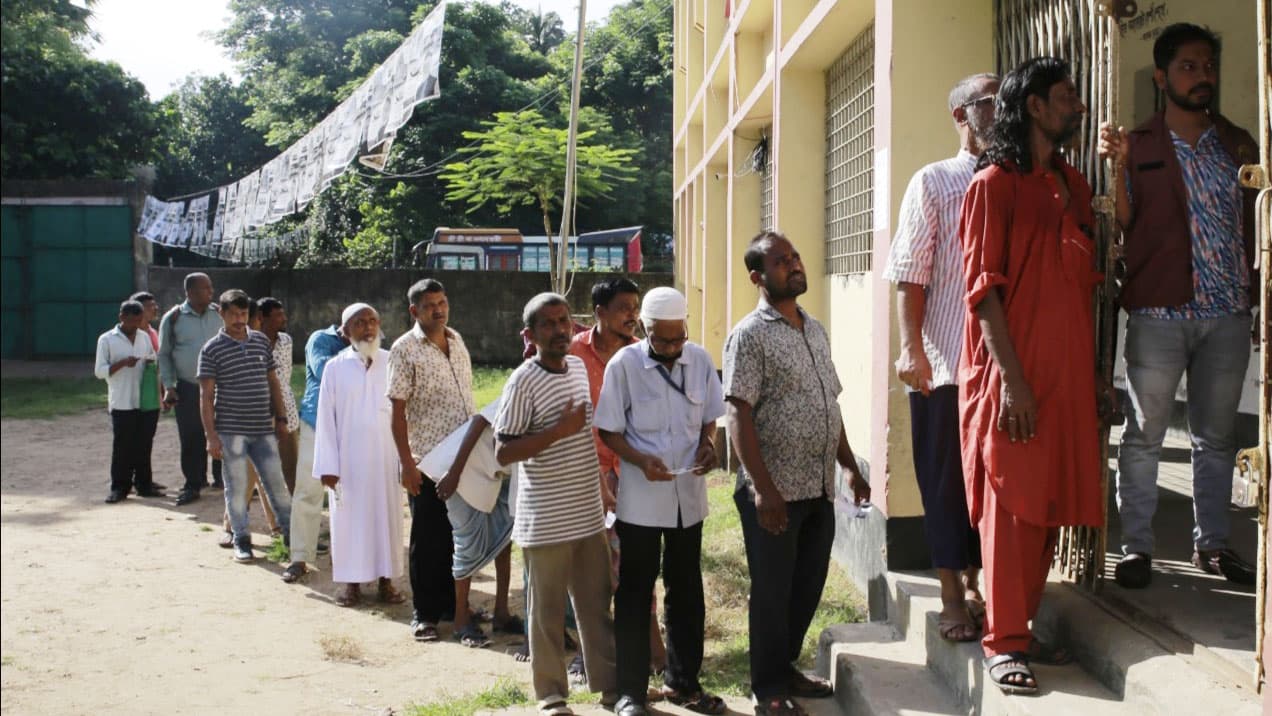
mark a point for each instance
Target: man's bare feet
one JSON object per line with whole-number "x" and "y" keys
{"x": 348, "y": 595}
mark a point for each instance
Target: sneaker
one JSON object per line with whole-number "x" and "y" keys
{"x": 243, "y": 554}
{"x": 115, "y": 496}
{"x": 1225, "y": 562}
{"x": 423, "y": 631}
{"x": 1135, "y": 571}
{"x": 322, "y": 548}
{"x": 185, "y": 497}
{"x": 226, "y": 541}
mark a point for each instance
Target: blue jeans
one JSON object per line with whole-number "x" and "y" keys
{"x": 262, "y": 450}
{"x": 1214, "y": 354}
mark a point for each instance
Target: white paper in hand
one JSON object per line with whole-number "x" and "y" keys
{"x": 483, "y": 475}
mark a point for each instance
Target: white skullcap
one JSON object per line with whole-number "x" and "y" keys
{"x": 664, "y": 304}
{"x": 353, "y": 310}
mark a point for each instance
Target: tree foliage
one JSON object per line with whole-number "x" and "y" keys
{"x": 64, "y": 113}
{"x": 208, "y": 142}
{"x": 518, "y": 160}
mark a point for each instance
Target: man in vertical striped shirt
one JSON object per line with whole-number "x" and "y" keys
{"x": 926, "y": 263}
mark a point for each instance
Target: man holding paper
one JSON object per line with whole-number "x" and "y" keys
{"x": 356, "y": 460}
{"x": 475, "y": 488}
{"x": 657, "y": 411}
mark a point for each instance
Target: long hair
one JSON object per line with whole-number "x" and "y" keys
{"x": 1009, "y": 138}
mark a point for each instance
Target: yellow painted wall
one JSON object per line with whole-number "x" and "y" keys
{"x": 850, "y": 304}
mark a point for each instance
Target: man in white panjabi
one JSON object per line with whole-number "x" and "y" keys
{"x": 356, "y": 460}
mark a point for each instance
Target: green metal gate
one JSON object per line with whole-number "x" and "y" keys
{"x": 66, "y": 267}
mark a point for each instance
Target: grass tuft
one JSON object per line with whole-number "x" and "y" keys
{"x": 504, "y": 694}
{"x": 278, "y": 551}
{"x": 340, "y": 648}
{"x": 488, "y": 383}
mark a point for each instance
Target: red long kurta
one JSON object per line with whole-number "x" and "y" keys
{"x": 1019, "y": 238}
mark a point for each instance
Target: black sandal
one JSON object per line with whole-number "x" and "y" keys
{"x": 472, "y": 637}
{"x": 700, "y": 702}
{"x": 1002, "y": 666}
{"x": 1048, "y": 655}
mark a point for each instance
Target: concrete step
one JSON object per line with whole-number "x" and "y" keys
{"x": 876, "y": 673}
{"x": 1146, "y": 662}
{"x": 1118, "y": 668}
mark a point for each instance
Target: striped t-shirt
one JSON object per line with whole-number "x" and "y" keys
{"x": 926, "y": 250}
{"x": 559, "y": 494}
{"x": 241, "y": 371}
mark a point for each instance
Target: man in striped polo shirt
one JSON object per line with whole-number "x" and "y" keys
{"x": 243, "y": 413}
{"x": 926, "y": 264}
{"x": 544, "y": 422}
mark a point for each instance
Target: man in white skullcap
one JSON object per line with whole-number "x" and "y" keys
{"x": 657, "y": 411}
{"x": 356, "y": 461}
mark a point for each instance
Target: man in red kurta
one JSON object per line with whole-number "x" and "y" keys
{"x": 1031, "y": 454}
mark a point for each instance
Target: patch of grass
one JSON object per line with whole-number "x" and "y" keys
{"x": 488, "y": 383}
{"x": 727, "y": 582}
{"x": 26, "y": 398}
{"x": 338, "y": 647}
{"x": 278, "y": 551}
{"x": 503, "y": 694}
{"x": 298, "y": 382}
{"x": 205, "y": 528}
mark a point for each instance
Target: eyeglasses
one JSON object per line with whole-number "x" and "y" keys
{"x": 989, "y": 98}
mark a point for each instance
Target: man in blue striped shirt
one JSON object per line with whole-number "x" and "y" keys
{"x": 243, "y": 412}
{"x": 926, "y": 263}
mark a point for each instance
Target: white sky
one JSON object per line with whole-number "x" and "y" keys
{"x": 162, "y": 41}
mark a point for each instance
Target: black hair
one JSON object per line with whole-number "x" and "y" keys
{"x": 530, "y": 314}
{"x": 1176, "y": 36}
{"x": 268, "y": 305}
{"x": 605, "y": 291}
{"x": 131, "y": 308}
{"x": 192, "y": 277}
{"x": 753, "y": 259}
{"x": 238, "y": 299}
{"x": 1009, "y": 138}
{"x": 421, "y": 287}
{"x": 142, "y": 297}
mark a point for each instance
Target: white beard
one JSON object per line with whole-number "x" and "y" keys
{"x": 367, "y": 349}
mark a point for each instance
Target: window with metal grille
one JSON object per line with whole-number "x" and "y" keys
{"x": 850, "y": 158}
{"x": 766, "y": 182}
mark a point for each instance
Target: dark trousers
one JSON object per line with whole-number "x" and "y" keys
{"x": 432, "y": 549}
{"x": 130, "y": 453}
{"x": 938, "y": 464}
{"x": 194, "y": 444}
{"x": 788, "y": 571}
{"x": 680, "y": 550}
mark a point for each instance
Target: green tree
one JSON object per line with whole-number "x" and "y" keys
{"x": 65, "y": 114}
{"x": 520, "y": 160}
{"x": 542, "y": 31}
{"x": 208, "y": 143}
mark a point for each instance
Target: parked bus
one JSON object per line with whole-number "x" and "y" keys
{"x": 508, "y": 250}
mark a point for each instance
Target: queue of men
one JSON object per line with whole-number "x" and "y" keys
{"x": 995, "y": 268}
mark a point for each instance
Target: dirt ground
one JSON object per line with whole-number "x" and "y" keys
{"x": 133, "y": 608}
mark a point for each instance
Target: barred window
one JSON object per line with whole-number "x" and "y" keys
{"x": 850, "y": 158}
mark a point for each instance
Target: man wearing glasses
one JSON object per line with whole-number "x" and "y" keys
{"x": 926, "y": 264}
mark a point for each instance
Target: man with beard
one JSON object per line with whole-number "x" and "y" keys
{"x": 1191, "y": 277}
{"x": 926, "y": 263}
{"x": 785, "y": 425}
{"x": 657, "y": 411}
{"x": 431, "y": 387}
{"x": 356, "y": 460}
{"x": 544, "y": 420}
{"x": 1027, "y": 374}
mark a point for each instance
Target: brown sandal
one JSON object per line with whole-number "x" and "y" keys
{"x": 389, "y": 595}
{"x": 349, "y": 596}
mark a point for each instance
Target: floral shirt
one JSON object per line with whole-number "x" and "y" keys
{"x": 283, "y": 369}
{"x": 438, "y": 390}
{"x": 787, "y": 378}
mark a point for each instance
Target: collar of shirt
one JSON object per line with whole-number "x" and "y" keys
{"x": 769, "y": 313}
{"x": 419, "y": 333}
{"x": 188, "y": 309}
{"x": 649, "y": 363}
{"x": 966, "y": 156}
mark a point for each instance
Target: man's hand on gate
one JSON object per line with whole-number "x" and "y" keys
{"x": 1114, "y": 143}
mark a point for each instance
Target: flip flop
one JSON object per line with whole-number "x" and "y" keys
{"x": 512, "y": 625}
{"x": 472, "y": 637}
{"x": 999, "y": 667}
{"x": 700, "y": 702}
{"x": 1048, "y": 655}
{"x": 949, "y": 630}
